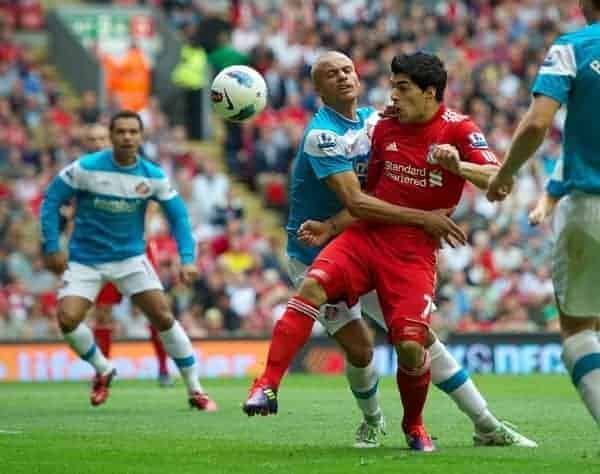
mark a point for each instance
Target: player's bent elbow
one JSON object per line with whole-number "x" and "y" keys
{"x": 356, "y": 205}
{"x": 537, "y": 124}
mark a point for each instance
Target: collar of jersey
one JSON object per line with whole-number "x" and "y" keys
{"x": 438, "y": 114}
{"x": 341, "y": 117}
{"x": 128, "y": 167}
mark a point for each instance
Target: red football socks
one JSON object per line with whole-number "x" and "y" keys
{"x": 159, "y": 350}
{"x": 413, "y": 385}
{"x": 103, "y": 337}
{"x": 289, "y": 335}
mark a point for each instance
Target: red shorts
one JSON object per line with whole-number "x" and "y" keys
{"x": 402, "y": 273}
{"x": 109, "y": 295}
{"x": 152, "y": 253}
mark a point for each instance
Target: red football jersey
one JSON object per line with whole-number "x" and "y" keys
{"x": 401, "y": 170}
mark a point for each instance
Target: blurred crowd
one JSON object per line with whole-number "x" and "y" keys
{"x": 492, "y": 49}
{"x": 241, "y": 288}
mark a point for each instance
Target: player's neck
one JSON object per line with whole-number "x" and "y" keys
{"x": 124, "y": 160}
{"x": 429, "y": 113}
{"x": 347, "y": 110}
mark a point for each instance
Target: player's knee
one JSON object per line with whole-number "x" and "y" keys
{"x": 359, "y": 356}
{"x": 570, "y": 326}
{"x": 156, "y": 308}
{"x": 410, "y": 354}
{"x": 162, "y": 319}
{"x": 311, "y": 290}
{"x": 356, "y": 342}
{"x": 69, "y": 319}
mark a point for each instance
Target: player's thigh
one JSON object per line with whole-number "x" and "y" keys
{"x": 154, "y": 304}
{"x": 356, "y": 341}
{"x": 132, "y": 276}
{"x": 570, "y": 326}
{"x": 371, "y": 308}
{"x": 71, "y": 311}
{"x": 576, "y": 255}
{"x": 343, "y": 268}
{"x": 333, "y": 317}
{"x": 82, "y": 281}
{"x": 405, "y": 291}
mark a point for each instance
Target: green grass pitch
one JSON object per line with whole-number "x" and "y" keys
{"x": 50, "y": 428}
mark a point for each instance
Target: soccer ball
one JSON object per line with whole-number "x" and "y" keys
{"x": 238, "y": 93}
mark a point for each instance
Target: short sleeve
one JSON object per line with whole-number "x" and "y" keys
{"x": 555, "y": 186}
{"x": 555, "y": 77}
{"x": 472, "y": 144}
{"x": 72, "y": 175}
{"x": 326, "y": 153}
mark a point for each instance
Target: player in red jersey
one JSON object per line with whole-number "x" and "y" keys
{"x": 412, "y": 166}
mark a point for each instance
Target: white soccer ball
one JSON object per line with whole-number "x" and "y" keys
{"x": 238, "y": 93}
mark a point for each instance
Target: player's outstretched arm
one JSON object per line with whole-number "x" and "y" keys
{"x": 363, "y": 206}
{"x": 527, "y": 139}
{"x": 179, "y": 223}
{"x": 60, "y": 191}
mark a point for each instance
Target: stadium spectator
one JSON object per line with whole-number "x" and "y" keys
{"x": 491, "y": 49}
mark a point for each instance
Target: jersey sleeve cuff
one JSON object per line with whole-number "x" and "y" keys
{"x": 50, "y": 247}
{"x": 558, "y": 97}
{"x": 187, "y": 259}
{"x": 556, "y": 189}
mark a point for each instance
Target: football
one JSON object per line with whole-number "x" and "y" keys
{"x": 238, "y": 93}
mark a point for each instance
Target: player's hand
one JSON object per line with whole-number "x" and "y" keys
{"x": 56, "y": 262}
{"x": 68, "y": 212}
{"x": 536, "y": 216}
{"x": 439, "y": 225}
{"x": 448, "y": 157}
{"x": 499, "y": 186}
{"x": 188, "y": 273}
{"x": 315, "y": 233}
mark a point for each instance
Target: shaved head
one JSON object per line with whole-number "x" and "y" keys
{"x": 324, "y": 60}
{"x": 336, "y": 81}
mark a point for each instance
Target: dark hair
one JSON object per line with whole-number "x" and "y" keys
{"x": 125, "y": 114}
{"x": 425, "y": 70}
{"x": 596, "y": 4}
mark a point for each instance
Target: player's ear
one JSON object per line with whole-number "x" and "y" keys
{"x": 430, "y": 92}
